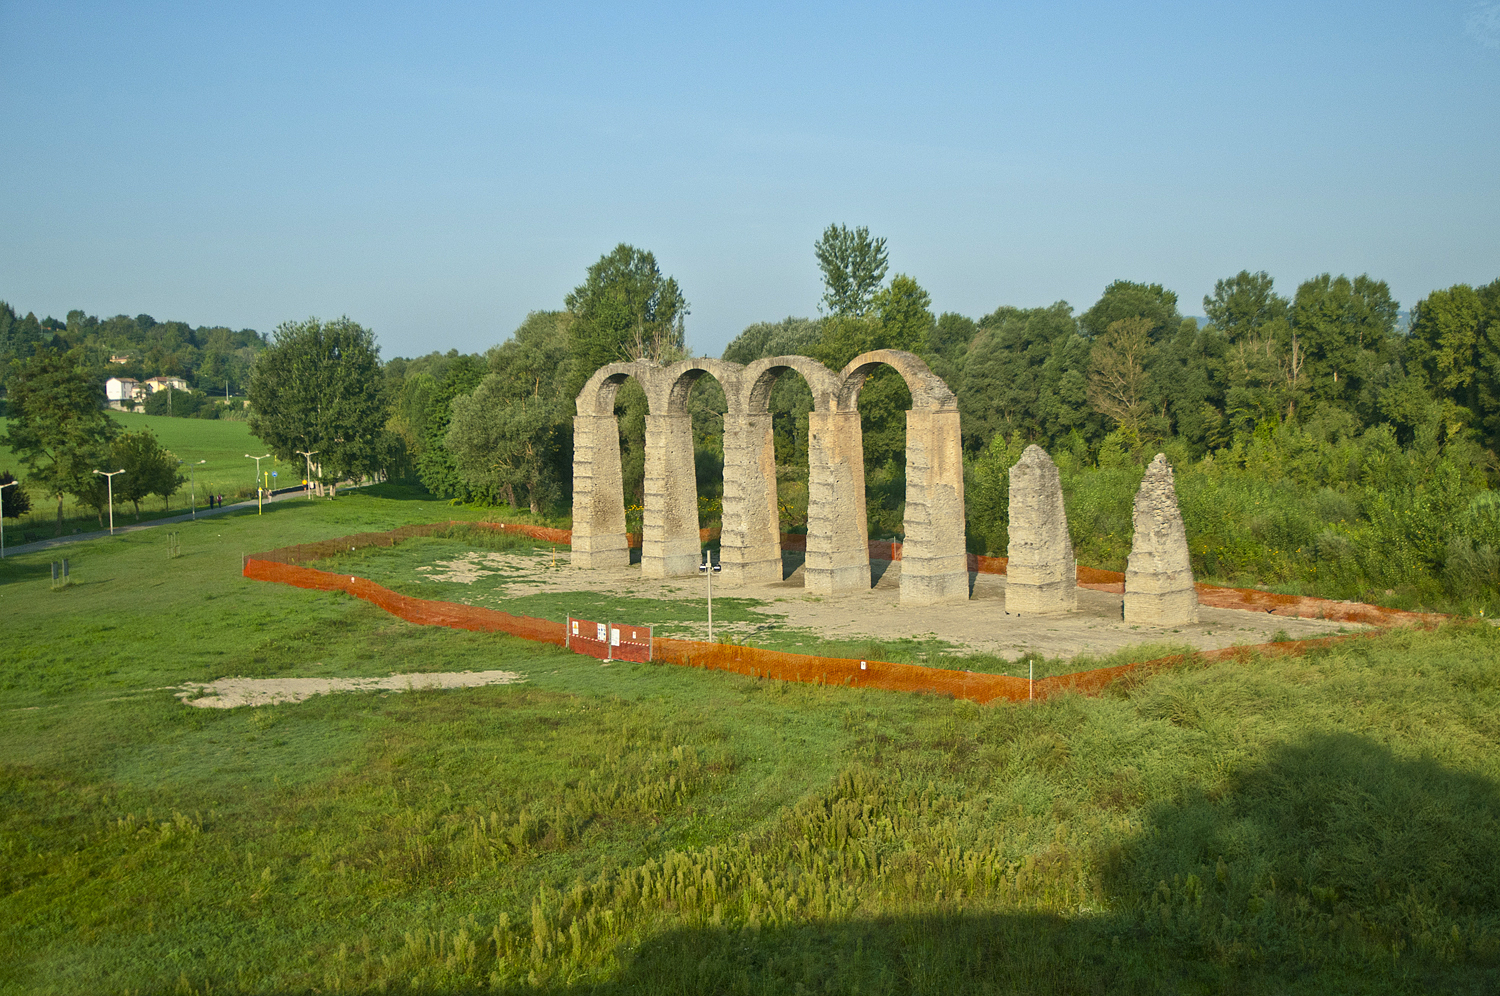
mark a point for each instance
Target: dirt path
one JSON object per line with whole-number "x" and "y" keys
{"x": 980, "y": 625}
{"x": 227, "y": 693}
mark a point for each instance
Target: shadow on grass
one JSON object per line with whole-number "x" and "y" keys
{"x": 1334, "y": 867}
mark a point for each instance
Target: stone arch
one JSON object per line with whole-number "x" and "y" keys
{"x": 934, "y": 558}
{"x": 670, "y": 541}
{"x": 598, "y": 488}
{"x": 928, "y": 392}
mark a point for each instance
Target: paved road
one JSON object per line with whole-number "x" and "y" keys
{"x": 203, "y": 513}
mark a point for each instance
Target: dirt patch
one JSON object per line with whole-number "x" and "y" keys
{"x": 228, "y": 693}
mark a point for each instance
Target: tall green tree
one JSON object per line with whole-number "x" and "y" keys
{"x": 1242, "y": 305}
{"x": 58, "y": 426}
{"x": 625, "y": 310}
{"x": 150, "y": 469}
{"x": 853, "y": 266}
{"x": 1126, "y": 299}
{"x": 14, "y": 500}
{"x": 1119, "y": 382}
{"x": 1455, "y": 342}
{"x": 1346, "y": 330}
{"x": 1025, "y": 372}
{"x": 509, "y": 437}
{"x": 317, "y": 388}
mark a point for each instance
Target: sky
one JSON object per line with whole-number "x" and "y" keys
{"x": 436, "y": 172}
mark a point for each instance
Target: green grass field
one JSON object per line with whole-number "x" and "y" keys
{"x": 1323, "y": 824}
{"x": 221, "y": 444}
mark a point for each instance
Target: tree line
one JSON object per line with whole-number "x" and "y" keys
{"x": 213, "y": 360}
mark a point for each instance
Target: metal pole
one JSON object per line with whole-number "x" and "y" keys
{"x": 259, "y": 503}
{"x": 193, "y": 484}
{"x": 307, "y": 485}
{"x": 2, "y": 516}
{"x": 109, "y": 475}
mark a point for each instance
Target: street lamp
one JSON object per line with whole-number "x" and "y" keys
{"x": 109, "y": 475}
{"x": 709, "y": 571}
{"x": 259, "y": 503}
{"x": 193, "y": 484}
{"x": 307, "y": 484}
{"x": 2, "y": 516}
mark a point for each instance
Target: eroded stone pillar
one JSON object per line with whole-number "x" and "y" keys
{"x": 669, "y": 532}
{"x": 1041, "y": 577}
{"x": 750, "y": 545}
{"x": 934, "y": 561}
{"x": 838, "y": 535}
{"x": 1159, "y": 575}
{"x": 598, "y": 494}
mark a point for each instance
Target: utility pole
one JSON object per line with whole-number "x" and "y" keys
{"x": 2, "y": 516}
{"x": 710, "y": 570}
{"x": 307, "y": 484}
{"x": 109, "y": 475}
{"x": 193, "y": 485}
{"x": 259, "y": 493}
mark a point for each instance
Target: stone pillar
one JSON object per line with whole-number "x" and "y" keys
{"x": 934, "y": 561}
{"x": 1159, "y": 576}
{"x": 1041, "y": 577}
{"x": 669, "y": 533}
{"x": 838, "y": 535}
{"x": 750, "y": 545}
{"x": 598, "y": 494}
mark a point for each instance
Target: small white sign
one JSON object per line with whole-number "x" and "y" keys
{"x": 614, "y": 638}
{"x": 575, "y": 627}
{"x": 599, "y": 632}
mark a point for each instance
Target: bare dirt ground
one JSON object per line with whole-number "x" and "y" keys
{"x": 227, "y": 693}
{"x": 980, "y": 625}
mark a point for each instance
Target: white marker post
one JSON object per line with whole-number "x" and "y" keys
{"x": 709, "y": 570}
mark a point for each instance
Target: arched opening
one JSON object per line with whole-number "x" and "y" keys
{"x": 783, "y": 419}
{"x": 685, "y": 460}
{"x": 608, "y": 439}
{"x": 934, "y": 562}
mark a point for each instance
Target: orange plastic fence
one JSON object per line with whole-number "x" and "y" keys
{"x": 283, "y": 566}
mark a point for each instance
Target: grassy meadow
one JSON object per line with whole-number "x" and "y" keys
{"x": 221, "y": 444}
{"x": 1321, "y": 824}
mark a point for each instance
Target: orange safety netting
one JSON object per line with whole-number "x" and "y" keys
{"x": 284, "y": 566}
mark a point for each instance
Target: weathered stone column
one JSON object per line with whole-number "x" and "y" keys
{"x": 934, "y": 561}
{"x": 838, "y": 535}
{"x": 598, "y": 494}
{"x": 669, "y": 532}
{"x": 750, "y": 545}
{"x": 1041, "y": 577}
{"x": 1159, "y": 575}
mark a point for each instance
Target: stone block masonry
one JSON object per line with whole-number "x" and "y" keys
{"x": 838, "y": 559}
{"x": 1159, "y": 574}
{"x": 1041, "y": 573}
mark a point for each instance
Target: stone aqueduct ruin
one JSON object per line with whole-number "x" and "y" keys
{"x": 934, "y": 561}
{"x": 934, "y": 565}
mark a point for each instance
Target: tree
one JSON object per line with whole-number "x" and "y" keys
{"x": 625, "y": 310}
{"x": 1125, "y": 299}
{"x": 905, "y": 312}
{"x": 1118, "y": 382}
{"x": 14, "y": 501}
{"x": 317, "y": 388}
{"x": 1346, "y": 330}
{"x": 1243, "y": 304}
{"x": 1025, "y": 372}
{"x": 58, "y": 426}
{"x": 149, "y": 469}
{"x": 853, "y": 267}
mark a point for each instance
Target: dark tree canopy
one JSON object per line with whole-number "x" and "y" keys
{"x": 58, "y": 426}
{"x": 625, "y": 310}
{"x": 317, "y": 388}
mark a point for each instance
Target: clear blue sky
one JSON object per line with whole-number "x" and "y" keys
{"x": 436, "y": 172}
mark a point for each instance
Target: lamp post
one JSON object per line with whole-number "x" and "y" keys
{"x": 259, "y": 503}
{"x": 2, "y": 517}
{"x": 307, "y": 484}
{"x": 709, "y": 570}
{"x": 109, "y": 475}
{"x": 193, "y": 484}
